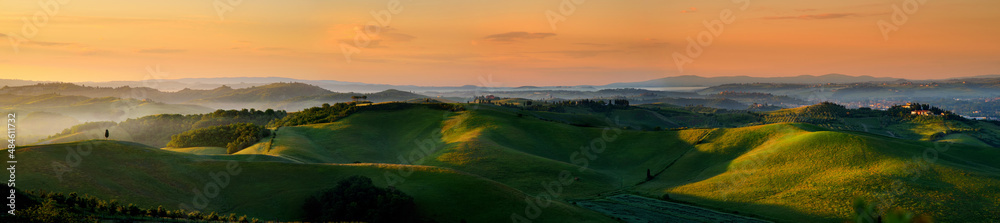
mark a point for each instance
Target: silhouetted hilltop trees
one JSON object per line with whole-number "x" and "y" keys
{"x": 329, "y": 113}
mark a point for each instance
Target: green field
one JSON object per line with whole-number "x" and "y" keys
{"x": 266, "y": 189}
{"x": 479, "y": 164}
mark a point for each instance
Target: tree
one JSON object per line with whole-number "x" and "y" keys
{"x": 106, "y": 134}
{"x": 357, "y": 199}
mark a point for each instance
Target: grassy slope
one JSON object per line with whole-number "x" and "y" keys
{"x": 269, "y": 190}
{"x": 199, "y": 150}
{"x": 826, "y": 169}
{"x": 802, "y": 173}
{"x": 490, "y": 142}
{"x": 794, "y": 172}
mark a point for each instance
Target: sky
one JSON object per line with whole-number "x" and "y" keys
{"x": 508, "y": 43}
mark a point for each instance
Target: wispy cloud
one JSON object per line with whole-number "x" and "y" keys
{"x": 690, "y": 10}
{"x": 397, "y": 37}
{"x": 581, "y": 53}
{"x": 517, "y": 36}
{"x": 592, "y": 44}
{"x": 817, "y": 16}
{"x": 40, "y": 43}
{"x": 161, "y": 51}
{"x": 273, "y": 49}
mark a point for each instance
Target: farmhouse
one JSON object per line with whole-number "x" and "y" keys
{"x": 922, "y": 112}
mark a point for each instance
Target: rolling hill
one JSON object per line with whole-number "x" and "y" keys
{"x": 487, "y": 157}
{"x": 49, "y": 114}
{"x": 803, "y": 160}
{"x": 266, "y": 188}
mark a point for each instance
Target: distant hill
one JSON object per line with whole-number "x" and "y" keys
{"x": 48, "y": 114}
{"x": 298, "y": 103}
{"x": 16, "y": 82}
{"x": 691, "y": 80}
{"x": 223, "y": 97}
{"x": 261, "y": 96}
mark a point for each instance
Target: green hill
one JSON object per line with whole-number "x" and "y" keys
{"x": 790, "y": 172}
{"x": 157, "y": 130}
{"x": 495, "y": 143}
{"x": 264, "y": 189}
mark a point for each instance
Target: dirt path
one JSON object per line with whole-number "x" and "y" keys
{"x": 632, "y": 208}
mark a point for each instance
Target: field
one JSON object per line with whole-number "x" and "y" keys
{"x": 264, "y": 189}
{"x": 491, "y": 158}
{"x": 631, "y": 208}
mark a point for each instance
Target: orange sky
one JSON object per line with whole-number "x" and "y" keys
{"x": 439, "y": 42}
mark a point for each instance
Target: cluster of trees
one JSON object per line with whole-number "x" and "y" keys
{"x": 330, "y": 113}
{"x": 234, "y": 137}
{"x": 357, "y": 199}
{"x": 324, "y": 114}
{"x": 59, "y": 207}
{"x": 904, "y": 110}
{"x": 156, "y": 130}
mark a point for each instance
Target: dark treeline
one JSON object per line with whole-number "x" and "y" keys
{"x": 597, "y": 105}
{"x": 356, "y": 199}
{"x": 234, "y": 137}
{"x": 58, "y": 207}
{"x": 329, "y": 113}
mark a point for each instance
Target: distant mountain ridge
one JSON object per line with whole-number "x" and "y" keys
{"x": 283, "y": 95}
{"x": 171, "y": 85}
{"x": 692, "y": 81}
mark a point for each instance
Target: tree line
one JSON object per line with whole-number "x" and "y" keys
{"x": 330, "y": 113}
{"x": 58, "y": 207}
{"x": 234, "y": 137}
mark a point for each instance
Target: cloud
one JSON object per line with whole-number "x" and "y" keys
{"x": 690, "y": 10}
{"x": 397, "y": 37}
{"x": 581, "y": 53}
{"x": 592, "y": 44}
{"x": 161, "y": 51}
{"x": 517, "y": 36}
{"x": 375, "y": 43}
{"x": 816, "y": 16}
{"x": 3, "y": 35}
{"x": 40, "y": 43}
{"x": 96, "y": 53}
{"x": 273, "y": 49}
{"x": 648, "y": 43}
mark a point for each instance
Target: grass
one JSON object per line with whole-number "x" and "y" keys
{"x": 489, "y": 158}
{"x": 817, "y": 173}
{"x": 200, "y": 150}
{"x": 268, "y": 190}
